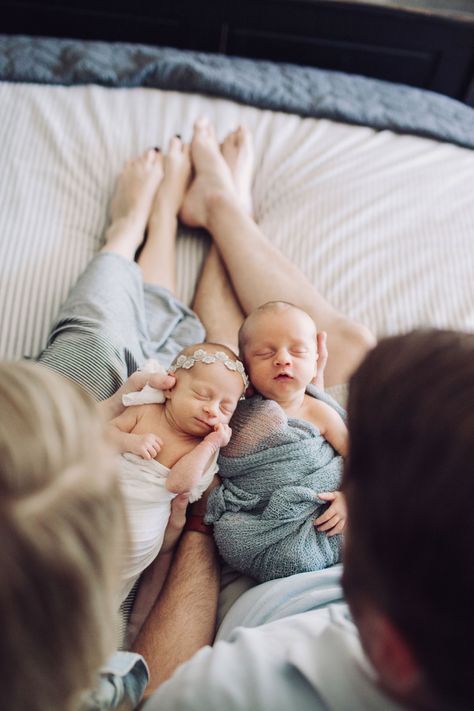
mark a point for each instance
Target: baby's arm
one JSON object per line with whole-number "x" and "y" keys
{"x": 189, "y": 470}
{"x": 120, "y": 429}
{"x": 333, "y": 520}
{"x": 333, "y": 428}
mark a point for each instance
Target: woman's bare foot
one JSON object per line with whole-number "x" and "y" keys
{"x": 213, "y": 177}
{"x": 237, "y": 149}
{"x": 157, "y": 258}
{"x": 131, "y": 203}
{"x": 177, "y": 174}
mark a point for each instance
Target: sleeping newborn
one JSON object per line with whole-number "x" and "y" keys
{"x": 286, "y": 449}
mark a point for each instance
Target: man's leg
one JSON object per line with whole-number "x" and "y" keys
{"x": 258, "y": 270}
{"x": 215, "y": 301}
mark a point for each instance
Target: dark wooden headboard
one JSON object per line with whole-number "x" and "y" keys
{"x": 421, "y": 47}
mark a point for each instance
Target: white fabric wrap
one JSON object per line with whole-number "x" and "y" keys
{"x": 148, "y": 506}
{"x": 147, "y": 395}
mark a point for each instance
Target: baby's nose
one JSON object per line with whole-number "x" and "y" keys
{"x": 211, "y": 408}
{"x": 282, "y": 357}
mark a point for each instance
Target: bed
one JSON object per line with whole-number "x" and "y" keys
{"x": 366, "y": 185}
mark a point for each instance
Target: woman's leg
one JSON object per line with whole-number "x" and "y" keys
{"x": 158, "y": 256}
{"x": 259, "y": 271}
{"x": 131, "y": 203}
{"x": 97, "y": 338}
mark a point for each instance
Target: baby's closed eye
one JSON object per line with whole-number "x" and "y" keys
{"x": 201, "y": 394}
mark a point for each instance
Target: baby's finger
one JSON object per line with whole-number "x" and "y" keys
{"x": 329, "y": 524}
{"x": 326, "y": 516}
{"x": 338, "y": 528}
{"x": 327, "y": 495}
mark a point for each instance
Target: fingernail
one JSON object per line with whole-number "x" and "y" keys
{"x": 157, "y": 149}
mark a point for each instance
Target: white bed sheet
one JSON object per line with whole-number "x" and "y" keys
{"x": 383, "y": 224}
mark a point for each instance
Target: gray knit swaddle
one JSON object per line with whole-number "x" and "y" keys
{"x": 264, "y": 511}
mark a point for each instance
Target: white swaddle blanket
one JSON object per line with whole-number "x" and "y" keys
{"x": 147, "y": 500}
{"x": 148, "y": 505}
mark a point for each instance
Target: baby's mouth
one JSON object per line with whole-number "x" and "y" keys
{"x": 204, "y": 423}
{"x": 283, "y": 376}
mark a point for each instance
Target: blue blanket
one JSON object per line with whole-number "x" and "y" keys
{"x": 280, "y": 87}
{"x": 263, "y": 514}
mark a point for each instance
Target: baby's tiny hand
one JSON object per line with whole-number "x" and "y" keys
{"x": 146, "y": 446}
{"x": 333, "y": 520}
{"x": 221, "y": 435}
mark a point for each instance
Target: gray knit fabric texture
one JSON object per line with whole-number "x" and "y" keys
{"x": 263, "y": 512}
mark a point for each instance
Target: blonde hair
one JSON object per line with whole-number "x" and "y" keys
{"x": 61, "y": 531}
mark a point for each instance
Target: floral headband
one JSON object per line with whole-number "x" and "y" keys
{"x": 202, "y": 356}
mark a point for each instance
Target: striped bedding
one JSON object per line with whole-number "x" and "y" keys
{"x": 381, "y": 223}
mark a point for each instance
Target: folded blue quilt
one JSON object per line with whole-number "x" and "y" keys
{"x": 301, "y": 90}
{"x": 264, "y": 511}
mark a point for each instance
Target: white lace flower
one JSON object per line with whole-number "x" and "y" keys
{"x": 202, "y": 356}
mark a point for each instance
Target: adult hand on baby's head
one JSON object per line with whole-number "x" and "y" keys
{"x": 113, "y": 406}
{"x": 318, "y": 380}
{"x": 161, "y": 382}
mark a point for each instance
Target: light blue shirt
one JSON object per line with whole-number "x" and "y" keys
{"x": 286, "y": 645}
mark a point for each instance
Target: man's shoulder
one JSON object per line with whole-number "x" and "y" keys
{"x": 257, "y": 668}
{"x": 311, "y": 661}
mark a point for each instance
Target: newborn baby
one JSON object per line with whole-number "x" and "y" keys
{"x": 171, "y": 448}
{"x": 284, "y": 462}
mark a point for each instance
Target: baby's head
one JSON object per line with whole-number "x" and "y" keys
{"x": 210, "y": 380}
{"x": 277, "y": 344}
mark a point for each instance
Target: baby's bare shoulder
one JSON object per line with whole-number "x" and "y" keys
{"x": 317, "y": 412}
{"x": 148, "y": 416}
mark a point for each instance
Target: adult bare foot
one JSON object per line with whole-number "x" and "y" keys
{"x": 237, "y": 149}
{"x": 213, "y": 177}
{"x": 157, "y": 259}
{"x": 177, "y": 174}
{"x": 131, "y": 203}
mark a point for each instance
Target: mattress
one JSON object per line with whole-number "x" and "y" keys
{"x": 381, "y": 223}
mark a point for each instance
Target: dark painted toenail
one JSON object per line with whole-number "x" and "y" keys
{"x": 157, "y": 149}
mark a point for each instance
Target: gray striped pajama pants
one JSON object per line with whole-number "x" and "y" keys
{"x": 112, "y": 322}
